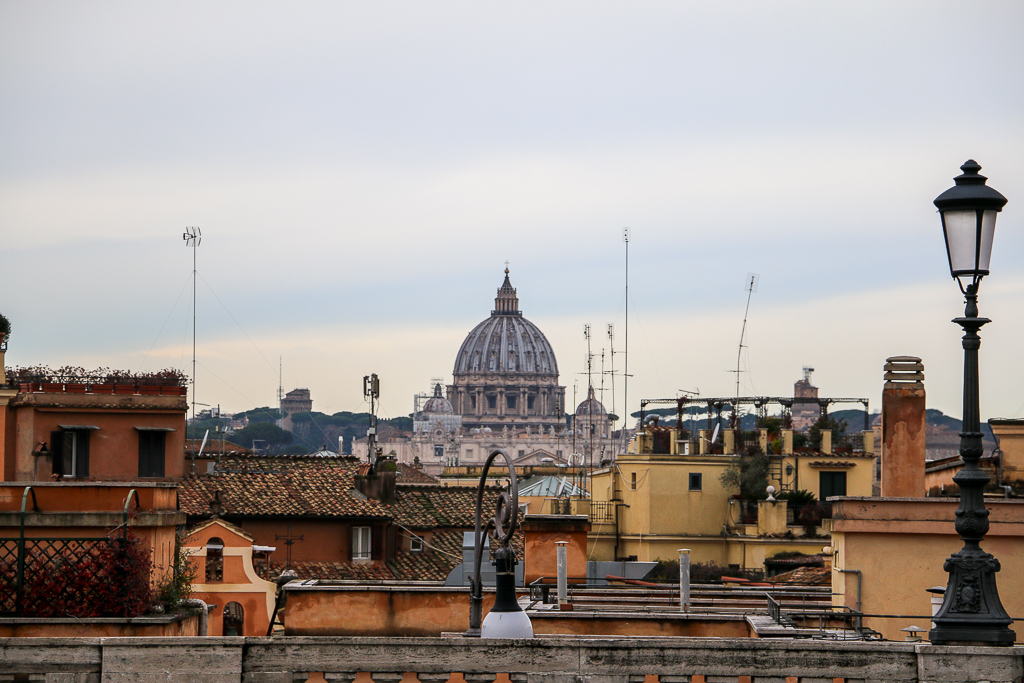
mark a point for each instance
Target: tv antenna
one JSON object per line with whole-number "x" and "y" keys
{"x": 193, "y": 236}
{"x": 751, "y": 287}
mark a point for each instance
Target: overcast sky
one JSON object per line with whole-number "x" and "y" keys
{"x": 362, "y": 171}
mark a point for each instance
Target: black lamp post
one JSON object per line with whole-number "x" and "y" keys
{"x": 506, "y": 618}
{"x": 971, "y": 612}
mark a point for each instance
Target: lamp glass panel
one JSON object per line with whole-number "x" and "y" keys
{"x": 988, "y": 229}
{"x": 961, "y": 239}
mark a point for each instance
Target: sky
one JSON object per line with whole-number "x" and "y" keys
{"x": 361, "y": 172}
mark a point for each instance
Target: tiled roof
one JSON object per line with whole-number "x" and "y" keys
{"x": 435, "y": 563}
{"x": 252, "y": 486}
{"x": 805, "y": 576}
{"x": 213, "y": 446}
{"x": 407, "y": 474}
{"x": 297, "y": 486}
{"x": 428, "y": 507}
{"x": 346, "y": 571}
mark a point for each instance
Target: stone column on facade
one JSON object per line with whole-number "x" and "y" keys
{"x": 501, "y": 401}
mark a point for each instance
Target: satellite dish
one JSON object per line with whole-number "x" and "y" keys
{"x": 714, "y": 436}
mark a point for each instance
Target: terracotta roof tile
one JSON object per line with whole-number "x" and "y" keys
{"x": 273, "y": 487}
{"x": 340, "y": 571}
{"x": 407, "y": 474}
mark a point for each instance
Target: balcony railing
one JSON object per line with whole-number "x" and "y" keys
{"x": 544, "y": 660}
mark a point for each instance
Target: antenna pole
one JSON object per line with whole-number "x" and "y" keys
{"x": 611, "y": 343}
{"x": 751, "y": 285}
{"x": 371, "y": 391}
{"x": 625, "y": 371}
{"x": 192, "y": 237}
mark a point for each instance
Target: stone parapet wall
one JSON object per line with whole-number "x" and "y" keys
{"x": 544, "y": 660}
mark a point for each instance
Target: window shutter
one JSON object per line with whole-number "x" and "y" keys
{"x": 143, "y": 454}
{"x": 57, "y": 448}
{"x": 377, "y": 542}
{"x": 82, "y": 466}
{"x": 156, "y": 455}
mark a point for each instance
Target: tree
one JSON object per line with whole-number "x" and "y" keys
{"x": 749, "y": 474}
{"x": 837, "y": 426}
{"x": 261, "y": 431}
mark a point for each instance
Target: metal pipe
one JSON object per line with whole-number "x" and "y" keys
{"x": 562, "y": 573}
{"x": 684, "y": 579}
{"x": 859, "y": 577}
{"x": 204, "y": 613}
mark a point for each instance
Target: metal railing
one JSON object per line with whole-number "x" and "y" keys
{"x": 46, "y": 574}
{"x": 602, "y": 511}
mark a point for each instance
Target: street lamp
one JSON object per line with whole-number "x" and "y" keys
{"x": 506, "y": 618}
{"x": 971, "y": 612}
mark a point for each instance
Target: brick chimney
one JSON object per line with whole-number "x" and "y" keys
{"x": 903, "y": 428}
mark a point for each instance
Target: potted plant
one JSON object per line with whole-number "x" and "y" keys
{"x": 5, "y": 330}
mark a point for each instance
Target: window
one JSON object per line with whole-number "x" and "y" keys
{"x": 214, "y": 560}
{"x": 151, "y": 452}
{"x": 529, "y": 402}
{"x": 521, "y": 454}
{"x": 472, "y": 401}
{"x": 831, "y": 484}
{"x": 469, "y": 454}
{"x": 361, "y": 543}
{"x": 558, "y": 453}
{"x": 416, "y": 544}
{"x": 70, "y": 448}
{"x": 510, "y": 399}
{"x": 696, "y": 483}
{"x": 234, "y": 620}
{"x": 438, "y": 451}
{"x": 492, "y": 401}
{"x": 632, "y": 480}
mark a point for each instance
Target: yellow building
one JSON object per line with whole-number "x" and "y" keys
{"x": 890, "y": 551}
{"x": 648, "y": 505}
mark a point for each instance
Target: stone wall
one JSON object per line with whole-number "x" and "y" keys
{"x": 545, "y": 660}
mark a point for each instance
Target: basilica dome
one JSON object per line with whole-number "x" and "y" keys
{"x": 438, "y": 404}
{"x": 506, "y": 376}
{"x": 591, "y": 406}
{"x": 506, "y": 342}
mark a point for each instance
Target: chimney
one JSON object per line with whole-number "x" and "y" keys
{"x": 903, "y": 428}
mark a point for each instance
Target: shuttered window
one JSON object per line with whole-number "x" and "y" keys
{"x": 151, "y": 453}
{"x": 70, "y": 452}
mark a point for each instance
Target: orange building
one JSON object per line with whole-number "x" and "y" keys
{"x": 242, "y": 601}
{"x": 81, "y": 426}
{"x": 331, "y": 518}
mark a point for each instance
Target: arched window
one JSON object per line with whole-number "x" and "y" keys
{"x": 234, "y": 620}
{"x": 214, "y": 560}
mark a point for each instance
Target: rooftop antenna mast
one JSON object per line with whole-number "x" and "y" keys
{"x": 193, "y": 237}
{"x": 280, "y": 385}
{"x": 611, "y": 343}
{"x": 625, "y": 371}
{"x": 751, "y": 286}
{"x": 371, "y": 391}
